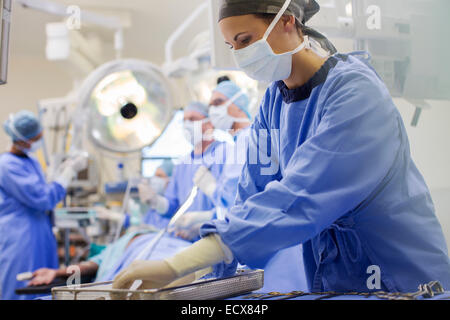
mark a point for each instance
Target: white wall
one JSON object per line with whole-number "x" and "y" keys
{"x": 30, "y": 79}
{"x": 430, "y": 148}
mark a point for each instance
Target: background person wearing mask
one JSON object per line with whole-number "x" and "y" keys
{"x": 158, "y": 183}
{"x": 27, "y": 242}
{"x": 206, "y": 152}
{"x": 346, "y": 186}
{"x": 228, "y": 111}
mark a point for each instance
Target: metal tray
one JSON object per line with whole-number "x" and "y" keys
{"x": 244, "y": 281}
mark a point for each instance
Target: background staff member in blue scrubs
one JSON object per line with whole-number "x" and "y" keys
{"x": 27, "y": 242}
{"x": 346, "y": 186}
{"x": 206, "y": 152}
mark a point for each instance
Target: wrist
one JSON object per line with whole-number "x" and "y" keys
{"x": 61, "y": 272}
{"x": 202, "y": 254}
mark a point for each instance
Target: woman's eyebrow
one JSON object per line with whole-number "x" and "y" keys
{"x": 236, "y": 36}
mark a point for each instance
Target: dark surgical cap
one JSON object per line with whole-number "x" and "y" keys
{"x": 303, "y": 10}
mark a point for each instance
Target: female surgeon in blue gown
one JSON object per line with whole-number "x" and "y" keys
{"x": 27, "y": 242}
{"x": 340, "y": 179}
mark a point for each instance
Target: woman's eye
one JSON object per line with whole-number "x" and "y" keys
{"x": 246, "y": 40}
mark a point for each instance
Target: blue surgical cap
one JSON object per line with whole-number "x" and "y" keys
{"x": 167, "y": 167}
{"x": 26, "y": 125}
{"x": 198, "y": 107}
{"x": 229, "y": 89}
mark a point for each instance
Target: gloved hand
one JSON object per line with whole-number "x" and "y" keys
{"x": 70, "y": 167}
{"x": 205, "y": 181}
{"x": 79, "y": 162}
{"x": 192, "y": 218}
{"x": 146, "y": 192}
{"x": 188, "y": 234}
{"x": 65, "y": 176}
{"x": 148, "y": 195}
{"x": 157, "y": 274}
{"x": 202, "y": 254}
{"x": 153, "y": 273}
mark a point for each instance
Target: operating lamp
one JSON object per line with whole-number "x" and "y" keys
{"x": 124, "y": 106}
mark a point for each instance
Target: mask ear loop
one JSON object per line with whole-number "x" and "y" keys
{"x": 276, "y": 19}
{"x": 234, "y": 98}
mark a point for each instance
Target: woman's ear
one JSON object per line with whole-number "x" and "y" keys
{"x": 289, "y": 23}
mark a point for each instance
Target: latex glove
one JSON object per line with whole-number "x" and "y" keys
{"x": 69, "y": 168}
{"x": 160, "y": 204}
{"x": 43, "y": 276}
{"x": 205, "y": 181}
{"x": 190, "y": 233}
{"x": 192, "y": 218}
{"x": 153, "y": 273}
{"x": 156, "y": 274}
{"x": 204, "y": 253}
{"x": 80, "y": 162}
{"x": 65, "y": 177}
{"x": 146, "y": 193}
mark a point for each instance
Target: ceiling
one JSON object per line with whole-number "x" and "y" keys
{"x": 152, "y": 22}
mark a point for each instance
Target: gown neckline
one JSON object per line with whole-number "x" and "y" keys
{"x": 303, "y": 92}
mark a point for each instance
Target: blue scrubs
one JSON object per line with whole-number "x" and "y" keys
{"x": 341, "y": 181}
{"x": 285, "y": 272}
{"x": 181, "y": 183}
{"x": 27, "y": 242}
{"x": 235, "y": 154}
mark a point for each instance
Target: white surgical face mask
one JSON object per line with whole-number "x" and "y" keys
{"x": 35, "y": 146}
{"x": 259, "y": 61}
{"x": 219, "y": 114}
{"x": 193, "y": 131}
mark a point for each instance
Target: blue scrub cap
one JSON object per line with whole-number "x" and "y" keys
{"x": 167, "y": 167}
{"x": 198, "y": 107}
{"x": 22, "y": 125}
{"x": 229, "y": 89}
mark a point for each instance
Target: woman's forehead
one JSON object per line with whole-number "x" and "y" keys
{"x": 193, "y": 115}
{"x": 232, "y": 26}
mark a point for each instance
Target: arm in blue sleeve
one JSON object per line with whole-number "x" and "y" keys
{"x": 171, "y": 194}
{"x": 27, "y": 187}
{"x": 353, "y": 149}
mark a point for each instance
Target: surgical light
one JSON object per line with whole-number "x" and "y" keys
{"x": 128, "y": 104}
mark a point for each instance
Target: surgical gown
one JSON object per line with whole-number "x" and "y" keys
{"x": 285, "y": 271}
{"x": 27, "y": 242}
{"x": 181, "y": 183}
{"x": 235, "y": 156}
{"x": 338, "y": 177}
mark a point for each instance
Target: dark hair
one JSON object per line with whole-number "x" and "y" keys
{"x": 222, "y": 79}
